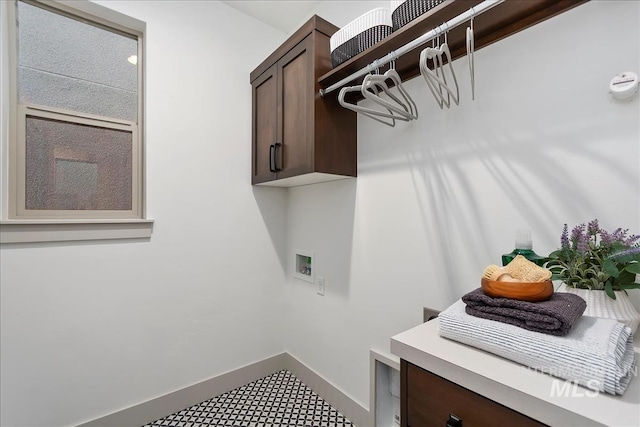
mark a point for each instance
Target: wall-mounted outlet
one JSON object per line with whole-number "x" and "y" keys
{"x": 429, "y": 314}
{"x": 320, "y": 283}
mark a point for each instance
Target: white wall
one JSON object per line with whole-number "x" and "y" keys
{"x": 439, "y": 199}
{"x": 90, "y": 328}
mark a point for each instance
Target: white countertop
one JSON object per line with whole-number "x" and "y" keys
{"x": 516, "y": 386}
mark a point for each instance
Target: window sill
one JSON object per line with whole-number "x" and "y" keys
{"x": 32, "y": 231}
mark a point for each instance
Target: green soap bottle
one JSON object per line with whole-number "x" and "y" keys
{"x": 524, "y": 248}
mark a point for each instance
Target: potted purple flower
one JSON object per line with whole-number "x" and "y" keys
{"x": 593, "y": 259}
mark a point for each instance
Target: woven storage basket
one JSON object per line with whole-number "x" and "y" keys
{"x": 359, "y": 35}
{"x": 405, "y": 11}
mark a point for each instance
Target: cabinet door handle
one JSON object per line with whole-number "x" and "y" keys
{"x": 454, "y": 421}
{"x": 275, "y": 158}
{"x": 272, "y": 159}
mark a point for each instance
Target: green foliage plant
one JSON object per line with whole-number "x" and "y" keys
{"x": 595, "y": 259}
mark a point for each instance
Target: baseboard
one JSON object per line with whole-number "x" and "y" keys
{"x": 160, "y": 407}
{"x": 348, "y": 407}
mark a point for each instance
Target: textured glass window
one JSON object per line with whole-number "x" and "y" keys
{"x": 77, "y": 145}
{"x": 68, "y": 64}
{"x": 73, "y": 166}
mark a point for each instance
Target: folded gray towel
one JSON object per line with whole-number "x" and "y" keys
{"x": 597, "y": 353}
{"x": 554, "y": 316}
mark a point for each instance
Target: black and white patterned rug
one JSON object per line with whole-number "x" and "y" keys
{"x": 277, "y": 400}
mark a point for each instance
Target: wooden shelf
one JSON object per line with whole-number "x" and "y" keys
{"x": 495, "y": 24}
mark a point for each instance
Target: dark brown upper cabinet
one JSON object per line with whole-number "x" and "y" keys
{"x": 299, "y": 137}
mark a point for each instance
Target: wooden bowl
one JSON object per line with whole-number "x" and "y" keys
{"x": 524, "y": 291}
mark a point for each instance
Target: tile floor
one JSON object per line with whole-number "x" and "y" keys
{"x": 277, "y": 400}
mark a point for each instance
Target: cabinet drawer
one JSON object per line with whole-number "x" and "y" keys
{"x": 429, "y": 399}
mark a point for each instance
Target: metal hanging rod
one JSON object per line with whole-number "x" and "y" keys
{"x": 392, "y": 56}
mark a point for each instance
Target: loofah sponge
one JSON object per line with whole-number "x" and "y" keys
{"x": 493, "y": 272}
{"x": 526, "y": 271}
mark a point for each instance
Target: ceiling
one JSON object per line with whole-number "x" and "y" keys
{"x": 281, "y": 14}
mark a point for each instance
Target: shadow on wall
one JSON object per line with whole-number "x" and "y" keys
{"x": 470, "y": 180}
{"x": 272, "y": 202}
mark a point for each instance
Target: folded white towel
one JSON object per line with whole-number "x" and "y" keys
{"x": 597, "y": 353}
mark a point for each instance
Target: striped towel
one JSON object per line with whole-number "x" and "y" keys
{"x": 597, "y": 353}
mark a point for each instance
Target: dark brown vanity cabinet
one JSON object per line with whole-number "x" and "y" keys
{"x": 299, "y": 137}
{"x": 429, "y": 400}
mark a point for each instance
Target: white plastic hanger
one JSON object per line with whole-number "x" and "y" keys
{"x": 470, "y": 50}
{"x": 431, "y": 76}
{"x": 435, "y": 78}
{"x": 378, "y": 82}
{"x": 395, "y": 77}
{"x": 444, "y": 48}
{"x": 376, "y": 115}
{"x": 435, "y": 81}
{"x": 439, "y": 70}
{"x": 404, "y": 107}
{"x": 391, "y": 102}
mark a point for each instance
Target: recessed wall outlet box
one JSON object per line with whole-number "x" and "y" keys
{"x": 303, "y": 265}
{"x": 429, "y": 314}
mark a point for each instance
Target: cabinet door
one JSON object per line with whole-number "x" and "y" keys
{"x": 264, "y": 132}
{"x": 295, "y": 110}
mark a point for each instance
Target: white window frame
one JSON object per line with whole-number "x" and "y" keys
{"x": 20, "y": 225}
{"x": 19, "y": 195}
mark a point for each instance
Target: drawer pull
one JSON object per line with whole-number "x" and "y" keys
{"x": 454, "y": 421}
